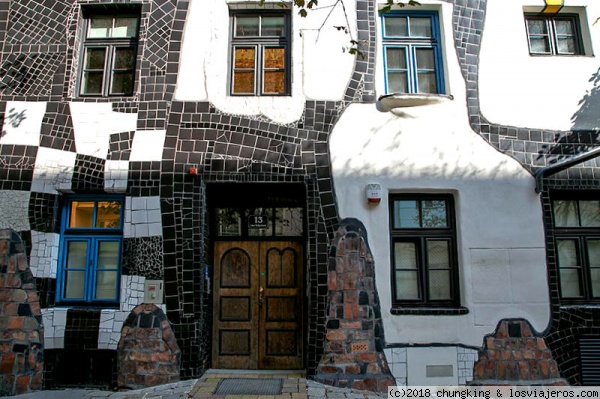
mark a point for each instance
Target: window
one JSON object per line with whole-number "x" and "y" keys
{"x": 260, "y": 52}
{"x": 412, "y": 53}
{"x": 577, "y": 235}
{"x": 553, "y": 35}
{"x": 109, "y": 55}
{"x": 91, "y": 236}
{"x": 424, "y": 266}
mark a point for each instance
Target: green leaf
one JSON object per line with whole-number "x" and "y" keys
{"x": 303, "y": 13}
{"x": 261, "y": 3}
{"x": 299, "y": 3}
{"x": 385, "y": 9}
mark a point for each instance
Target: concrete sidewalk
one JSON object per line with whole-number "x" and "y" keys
{"x": 295, "y": 386}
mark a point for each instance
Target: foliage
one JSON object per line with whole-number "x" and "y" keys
{"x": 305, "y": 5}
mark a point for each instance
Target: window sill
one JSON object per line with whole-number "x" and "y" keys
{"x": 398, "y": 311}
{"x": 390, "y": 102}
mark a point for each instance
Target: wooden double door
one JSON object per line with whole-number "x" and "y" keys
{"x": 258, "y": 305}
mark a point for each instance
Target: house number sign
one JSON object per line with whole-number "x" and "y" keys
{"x": 258, "y": 222}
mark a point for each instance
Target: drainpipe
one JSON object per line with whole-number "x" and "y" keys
{"x": 562, "y": 165}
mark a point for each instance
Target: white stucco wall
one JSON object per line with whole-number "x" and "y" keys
{"x": 549, "y": 92}
{"x": 432, "y": 149}
{"x": 501, "y": 252}
{"x": 320, "y": 71}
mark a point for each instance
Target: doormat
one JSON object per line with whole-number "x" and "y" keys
{"x": 249, "y": 386}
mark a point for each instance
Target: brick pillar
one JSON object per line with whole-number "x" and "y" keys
{"x": 147, "y": 353}
{"x": 353, "y": 354}
{"x": 515, "y": 355}
{"x": 21, "y": 331}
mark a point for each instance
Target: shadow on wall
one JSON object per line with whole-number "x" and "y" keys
{"x": 585, "y": 129}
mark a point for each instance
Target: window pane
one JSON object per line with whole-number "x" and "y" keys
{"x": 122, "y": 83}
{"x": 125, "y": 27}
{"x": 243, "y": 82}
{"x": 95, "y": 58}
{"x": 566, "y": 45}
{"x": 539, "y": 45}
{"x": 438, "y": 254}
{"x": 274, "y": 57}
{"x": 75, "y": 279}
{"x": 407, "y": 286}
{"x": 395, "y": 26}
{"x": 590, "y": 213}
{"x": 244, "y": 57}
{"x": 570, "y": 283}
{"x": 92, "y": 83}
{"x": 108, "y": 255}
{"x": 246, "y": 26}
{"x": 406, "y": 213}
{"x": 567, "y": 253}
{"x": 565, "y": 213}
{"x": 427, "y": 82}
{"x": 82, "y": 214}
{"x": 537, "y": 27}
{"x": 434, "y": 213}
{"x": 395, "y": 58}
{"x": 106, "y": 284}
{"x": 108, "y": 215}
{"x": 405, "y": 259}
{"x": 570, "y": 272}
{"x": 439, "y": 285}
{"x": 274, "y": 82}
{"x": 593, "y": 246}
{"x": 273, "y": 26}
{"x": 425, "y": 58}
{"x": 564, "y": 26}
{"x": 405, "y": 255}
{"x": 288, "y": 222}
{"x": 74, "y": 284}
{"x": 76, "y": 255}
{"x": 100, "y": 27}
{"x": 420, "y": 27}
{"x": 124, "y": 58}
{"x": 397, "y": 82}
{"x": 228, "y": 220}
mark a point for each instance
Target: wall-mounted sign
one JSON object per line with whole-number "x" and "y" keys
{"x": 258, "y": 222}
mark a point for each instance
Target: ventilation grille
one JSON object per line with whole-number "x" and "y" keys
{"x": 589, "y": 349}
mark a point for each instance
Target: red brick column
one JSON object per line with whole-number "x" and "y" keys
{"x": 353, "y": 354}
{"x": 515, "y": 355}
{"x": 148, "y": 353}
{"x": 21, "y": 330}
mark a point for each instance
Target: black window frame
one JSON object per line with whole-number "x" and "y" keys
{"x": 259, "y": 43}
{"x": 549, "y": 21}
{"x": 111, "y": 45}
{"x": 420, "y": 236}
{"x": 581, "y": 235}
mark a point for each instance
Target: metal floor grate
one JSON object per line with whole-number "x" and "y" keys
{"x": 249, "y": 386}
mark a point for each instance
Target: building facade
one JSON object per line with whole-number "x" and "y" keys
{"x": 199, "y": 156}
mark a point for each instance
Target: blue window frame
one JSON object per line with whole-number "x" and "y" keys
{"x": 90, "y": 251}
{"x": 412, "y": 52}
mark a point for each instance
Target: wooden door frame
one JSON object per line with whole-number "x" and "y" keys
{"x": 252, "y": 195}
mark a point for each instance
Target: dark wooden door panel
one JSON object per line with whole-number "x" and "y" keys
{"x": 235, "y": 337}
{"x": 258, "y": 299}
{"x": 281, "y": 315}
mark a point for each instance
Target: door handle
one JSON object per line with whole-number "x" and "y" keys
{"x": 260, "y": 296}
